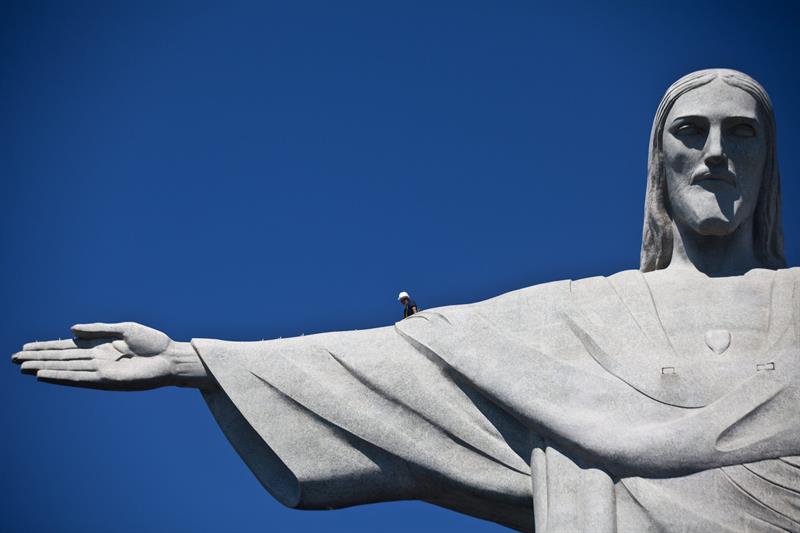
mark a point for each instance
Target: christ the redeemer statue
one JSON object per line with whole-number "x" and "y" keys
{"x": 659, "y": 399}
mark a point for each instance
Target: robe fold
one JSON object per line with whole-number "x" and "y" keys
{"x": 557, "y": 408}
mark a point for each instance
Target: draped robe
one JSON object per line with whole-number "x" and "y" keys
{"x": 557, "y": 408}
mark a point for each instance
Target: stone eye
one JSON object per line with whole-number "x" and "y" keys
{"x": 689, "y": 128}
{"x": 743, "y": 130}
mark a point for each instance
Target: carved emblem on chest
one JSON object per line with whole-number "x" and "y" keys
{"x": 718, "y": 340}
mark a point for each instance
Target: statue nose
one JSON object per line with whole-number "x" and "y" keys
{"x": 714, "y": 160}
{"x": 715, "y": 153}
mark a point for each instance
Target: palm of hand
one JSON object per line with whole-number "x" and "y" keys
{"x": 123, "y": 356}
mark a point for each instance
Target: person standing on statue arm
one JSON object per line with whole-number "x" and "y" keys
{"x": 409, "y": 305}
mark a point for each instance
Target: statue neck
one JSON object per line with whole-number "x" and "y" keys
{"x": 714, "y": 255}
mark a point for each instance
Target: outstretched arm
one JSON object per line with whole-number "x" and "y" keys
{"x": 122, "y": 356}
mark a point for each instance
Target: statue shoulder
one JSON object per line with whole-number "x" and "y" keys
{"x": 794, "y": 272}
{"x": 537, "y": 304}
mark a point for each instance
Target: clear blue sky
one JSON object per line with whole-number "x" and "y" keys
{"x": 271, "y": 169}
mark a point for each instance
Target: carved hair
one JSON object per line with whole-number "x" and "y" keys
{"x": 657, "y": 239}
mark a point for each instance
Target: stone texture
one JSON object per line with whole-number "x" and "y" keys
{"x": 551, "y": 398}
{"x": 664, "y": 399}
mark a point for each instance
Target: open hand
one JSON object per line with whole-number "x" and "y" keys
{"x": 121, "y": 356}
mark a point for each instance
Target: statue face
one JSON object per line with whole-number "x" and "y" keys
{"x": 714, "y": 149}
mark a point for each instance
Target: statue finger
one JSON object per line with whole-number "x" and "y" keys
{"x": 31, "y": 367}
{"x": 33, "y": 348}
{"x": 52, "y": 355}
{"x": 75, "y": 378}
{"x": 99, "y": 330}
{"x": 61, "y": 344}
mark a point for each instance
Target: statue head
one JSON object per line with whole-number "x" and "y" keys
{"x": 712, "y": 167}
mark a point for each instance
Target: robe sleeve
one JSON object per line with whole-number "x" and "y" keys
{"x": 340, "y": 419}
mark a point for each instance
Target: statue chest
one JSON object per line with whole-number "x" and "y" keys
{"x": 697, "y": 354}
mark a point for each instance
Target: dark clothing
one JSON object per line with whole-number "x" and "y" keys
{"x": 409, "y": 309}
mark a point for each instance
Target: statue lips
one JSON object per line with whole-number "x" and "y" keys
{"x": 708, "y": 176}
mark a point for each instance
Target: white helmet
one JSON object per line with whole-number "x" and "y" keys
{"x": 402, "y": 295}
